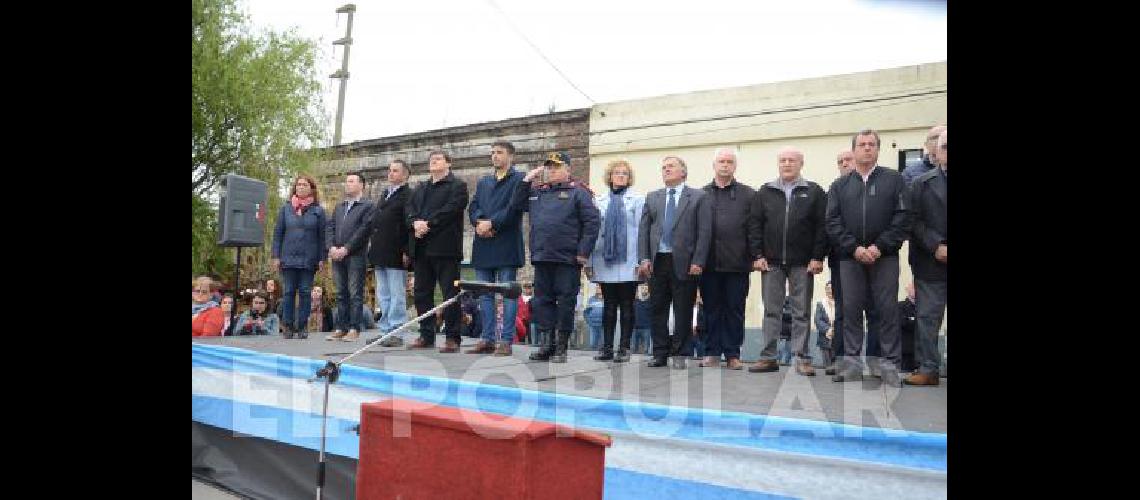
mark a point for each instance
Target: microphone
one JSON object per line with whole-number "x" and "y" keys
{"x": 510, "y": 289}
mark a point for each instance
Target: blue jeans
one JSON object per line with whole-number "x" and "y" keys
{"x": 348, "y": 273}
{"x": 640, "y": 336}
{"x": 296, "y": 281}
{"x": 487, "y": 305}
{"x": 595, "y": 335}
{"x": 391, "y": 297}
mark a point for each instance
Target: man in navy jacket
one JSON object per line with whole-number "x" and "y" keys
{"x": 497, "y": 249}
{"x": 564, "y": 227}
{"x": 347, "y": 238}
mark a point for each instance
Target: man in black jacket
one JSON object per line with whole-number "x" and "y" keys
{"x": 388, "y": 250}
{"x": 435, "y": 215}
{"x": 845, "y": 161}
{"x": 346, "y": 236}
{"x": 867, "y": 220}
{"x": 928, "y": 262}
{"x": 790, "y": 244}
{"x": 724, "y": 284}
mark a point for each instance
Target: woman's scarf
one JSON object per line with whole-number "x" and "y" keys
{"x": 613, "y": 234}
{"x": 300, "y": 204}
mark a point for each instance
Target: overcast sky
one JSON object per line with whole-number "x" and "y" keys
{"x": 425, "y": 64}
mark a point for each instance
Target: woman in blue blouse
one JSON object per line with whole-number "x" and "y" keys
{"x": 298, "y": 252}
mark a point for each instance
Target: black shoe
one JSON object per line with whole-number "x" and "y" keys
{"x": 657, "y": 362}
{"x": 848, "y": 376}
{"x": 560, "y": 345}
{"x": 543, "y": 353}
{"x": 830, "y": 370}
{"x": 622, "y": 356}
{"x": 605, "y": 354}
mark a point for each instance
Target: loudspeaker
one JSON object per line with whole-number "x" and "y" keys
{"x": 241, "y": 212}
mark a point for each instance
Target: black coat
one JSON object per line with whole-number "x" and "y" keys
{"x": 871, "y": 214}
{"x": 389, "y": 230}
{"x": 730, "y": 251}
{"x": 928, "y": 211}
{"x": 789, "y": 233}
{"x": 442, "y": 205}
{"x": 349, "y": 231}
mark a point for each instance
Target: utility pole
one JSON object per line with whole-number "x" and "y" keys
{"x": 342, "y": 73}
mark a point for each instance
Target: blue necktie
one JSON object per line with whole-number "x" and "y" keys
{"x": 670, "y": 208}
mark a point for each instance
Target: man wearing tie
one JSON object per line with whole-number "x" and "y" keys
{"x": 672, "y": 245}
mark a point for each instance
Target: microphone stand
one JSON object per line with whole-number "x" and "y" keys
{"x": 331, "y": 373}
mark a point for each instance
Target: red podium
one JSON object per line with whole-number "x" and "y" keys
{"x": 412, "y": 450}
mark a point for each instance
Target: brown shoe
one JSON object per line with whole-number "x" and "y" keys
{"x": 503, "y": 349}
{"x": 449, "y": 346}
{"x": 734, "y": 364}
{"x": 481, "y": 347}
{"x": 764, "y": 365}
{"x": 710, "y": 362}
{"x": 337, "y": 335}
{"x": 420, "y": 343}
{"x": 804, "y": 368}
{"x": 351, "y": 336}
{"x": 922, "y": 379}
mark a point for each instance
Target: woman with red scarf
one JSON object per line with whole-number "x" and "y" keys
{"x": 298, "y": 252}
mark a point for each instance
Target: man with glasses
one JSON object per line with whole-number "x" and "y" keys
{"x": 929, "y": 158}
{"x": 928, "y": 262}
{"x": 867, "y": 220}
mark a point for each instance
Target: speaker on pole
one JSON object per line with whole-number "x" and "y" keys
{"x": 241, "y": 212}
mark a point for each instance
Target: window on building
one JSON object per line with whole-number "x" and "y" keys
{"x": 908, "y": 157}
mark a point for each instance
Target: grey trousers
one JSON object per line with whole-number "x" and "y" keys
{"x": 930, "y": 300}
{"x": 883, "y": 277}
{"x": 800, "y": 283}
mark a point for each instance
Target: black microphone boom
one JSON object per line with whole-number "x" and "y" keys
{"x": 510, "y": 289}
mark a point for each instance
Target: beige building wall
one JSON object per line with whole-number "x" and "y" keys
{"x": 817, "y": 115}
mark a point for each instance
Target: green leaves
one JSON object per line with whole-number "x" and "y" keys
{"x": 256, "y": 105}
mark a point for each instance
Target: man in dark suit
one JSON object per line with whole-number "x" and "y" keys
{"x": 435, "y": 215}
{"x": 346, "y": 236}
{"x": 388, "y": 251}
{"x": 672, "y": 246}
{"x": 928, "y": 262}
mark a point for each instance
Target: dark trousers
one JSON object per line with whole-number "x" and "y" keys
{"x": 873, "y": 349}
{"x": 666, "y": 289}
{"x": 556, "y": 287}
{"x": 723, "y": 295}
{"x": 615, "y": 296}
{"x": 864, "y": 285}
{"x": 930, "y": 301}
{"x": 296, "y": 287}
{"x": 348, "y": 273}
{"x": 428, "y": 272}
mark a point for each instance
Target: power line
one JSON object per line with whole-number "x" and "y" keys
{"x": 922, "y": 97}
{"x": 536, "y": 49}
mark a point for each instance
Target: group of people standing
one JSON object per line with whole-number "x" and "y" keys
{"x": 680, "y": 239}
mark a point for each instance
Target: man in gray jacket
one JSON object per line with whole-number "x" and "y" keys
{"x": 347, "y": 237}
{"x": 673, "y": 245}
